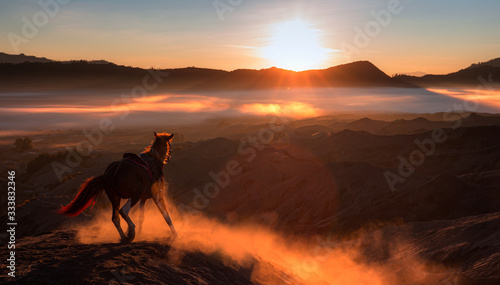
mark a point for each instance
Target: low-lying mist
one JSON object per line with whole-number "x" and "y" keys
{"x": 63, "y": 110}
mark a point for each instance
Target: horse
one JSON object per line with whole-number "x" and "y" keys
{"x": 136, "y": 178}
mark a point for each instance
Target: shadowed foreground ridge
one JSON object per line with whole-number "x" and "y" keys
{"x": 139, "y": 263}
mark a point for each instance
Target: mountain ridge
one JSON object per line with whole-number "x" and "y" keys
{"x": 84, "y": 74}
{"x": 43, "y": 74}
{"x": 493, "y": 62}
{"x": 475, "y": 76}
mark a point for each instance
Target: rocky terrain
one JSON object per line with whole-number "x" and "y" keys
{"x": 352, "y": 200}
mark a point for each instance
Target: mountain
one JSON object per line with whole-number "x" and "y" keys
{"x": 356, "y": 74}
{"x": 476, "y": 75}
{"x": 363, "y": 124}
{"x": 102, "y": 74}
{"x": 29, "y": 73}
{"x": 414, "y": 73}
{"x": 20, "y": 58}
{"x": 494, "y": 62}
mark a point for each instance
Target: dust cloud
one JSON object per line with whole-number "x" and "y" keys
{"x": 274, "y": 258}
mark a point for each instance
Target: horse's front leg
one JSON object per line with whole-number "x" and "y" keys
{"x": 158, "y": 193}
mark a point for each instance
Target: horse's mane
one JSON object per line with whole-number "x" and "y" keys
{"x": 160, "y": 146}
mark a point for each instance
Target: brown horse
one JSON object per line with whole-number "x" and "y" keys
{"x": 136, "y": 178}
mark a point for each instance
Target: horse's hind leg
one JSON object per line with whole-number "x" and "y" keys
{"x": 124, "y": 213}
{"x": 141, "y": 215}
{"x": 115, "y": 202}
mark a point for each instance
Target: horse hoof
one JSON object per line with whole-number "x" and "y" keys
{"x": 131, "y": 238}
{"x": 125, "y": 240}
{"x": 128, "y": 239}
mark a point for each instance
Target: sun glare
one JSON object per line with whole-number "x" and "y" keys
{"x": 292, "y": 109}
{"x": 295, "y": 46}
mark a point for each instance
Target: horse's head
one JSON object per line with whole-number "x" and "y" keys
{"x": 163, "y": 137}
{"x": 161, "y": 145}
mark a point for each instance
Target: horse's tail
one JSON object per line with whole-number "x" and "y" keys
{"x": 89, "y": 190}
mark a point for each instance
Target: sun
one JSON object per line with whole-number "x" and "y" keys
{"x": 295, "y": 46}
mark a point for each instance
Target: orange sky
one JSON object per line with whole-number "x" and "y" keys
{"x": 411, "y": 36}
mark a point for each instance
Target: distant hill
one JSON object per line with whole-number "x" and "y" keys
{"x": 414, "y": 73}
{"x": 20, "y": 58}
{"x": 467, "y": 77}
{"x": 84, "y": 74}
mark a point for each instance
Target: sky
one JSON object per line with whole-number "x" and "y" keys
{"x": 397, "y": 36}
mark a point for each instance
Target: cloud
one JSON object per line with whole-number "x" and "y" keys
{"x": 163, "y": 103}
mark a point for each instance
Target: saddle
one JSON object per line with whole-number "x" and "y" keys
{"x": 137, "y": 160}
